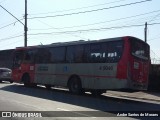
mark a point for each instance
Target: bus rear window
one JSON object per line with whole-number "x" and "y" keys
{"x": 139, "y": 49}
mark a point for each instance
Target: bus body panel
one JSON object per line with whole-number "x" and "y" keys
{"x": 59, "y": 74}
{"x": 18, "y": 73}
{"x": 122, "y": 68}
{"x": 139, "y": 76}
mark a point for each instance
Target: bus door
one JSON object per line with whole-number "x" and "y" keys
{"x": 16, "y": 68}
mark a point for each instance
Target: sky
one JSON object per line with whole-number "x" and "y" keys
{"x": 51, "y": 21}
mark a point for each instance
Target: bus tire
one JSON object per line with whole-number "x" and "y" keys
{"x": 75, "y": 85}
{"x": 26, "y": 80}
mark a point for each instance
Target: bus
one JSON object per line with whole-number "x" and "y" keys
{"x": 93, "y": 66}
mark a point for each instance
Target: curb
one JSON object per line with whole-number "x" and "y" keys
{"x": 140, "y": 98}
{"x": 132, "y": 97}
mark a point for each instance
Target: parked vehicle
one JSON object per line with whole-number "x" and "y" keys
{"x": 5, "y": 75}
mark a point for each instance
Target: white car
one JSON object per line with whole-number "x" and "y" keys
{"x": 5, "y": 75}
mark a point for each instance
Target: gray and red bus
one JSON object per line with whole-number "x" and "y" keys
{"x": 94, "y": 66}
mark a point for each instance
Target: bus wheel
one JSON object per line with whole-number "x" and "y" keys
{"x": 75, "y": 85}
{"x": 96, "y": 92}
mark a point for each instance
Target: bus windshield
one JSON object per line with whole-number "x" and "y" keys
{"x": 18, "y": 57}
{"x": 139, "y": 49}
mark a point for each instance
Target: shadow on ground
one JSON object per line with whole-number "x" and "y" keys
{"x": 101, "y": 103}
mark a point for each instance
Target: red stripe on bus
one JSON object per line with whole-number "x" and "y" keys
{"x": 95, "y": 76}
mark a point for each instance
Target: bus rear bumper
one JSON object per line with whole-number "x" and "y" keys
{"x": 139, "y": 86}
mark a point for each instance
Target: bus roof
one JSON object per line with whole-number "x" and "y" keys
{"x": 75, "y": 43}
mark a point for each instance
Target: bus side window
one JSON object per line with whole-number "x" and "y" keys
{"x": 75, "y": 54}
{"x": 79, "y": 50}
{"x": 70, "y": 54}
{"x": 86, "y": 55}
{"x": 96, "y": 53}
{"x": 57, "y": 54}
{"x": 113, "y": 51}
{"x": 42, "y": 56}
{"x": 112, "y": 56}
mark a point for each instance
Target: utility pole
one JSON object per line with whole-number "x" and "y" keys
{"x": 145, "y": 32}
{"x": 25, "y": 26}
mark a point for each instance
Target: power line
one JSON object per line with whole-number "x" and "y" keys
{"x": 91, "y": 23}
{"x": 123, "y": 18}
{"x": 17, "y": 41}
{"x": 87, "y": 30}
{"x": 154, "y": 17}
{"x": 109, "y": 28}
{"x": 78, "y": 8}
{"x": 60, "y": 15}
{"x": 96, "y": 29}
{"x": 11, "y": 14}
{"x": 13, "y": 23}
{"x": 61, "y": 30}
{"x": 155, "y": 54}
{"x": 7, "y": 25}
{"x": 11, "y": 37}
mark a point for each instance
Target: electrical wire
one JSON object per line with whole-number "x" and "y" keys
{"x": 155, "y": 54}
{"x": 75, "y": 13}
{"x": 86, "y": 24}
{"x": 11, "y": 37}
{"x": 12, "y": 15}
{"x": 153, "y": 19}
{"x": 113, "y": 20}
{"x": 61, "y": 30}
{"x": 78, "y": 8}
{"x": 17, "y": 41}
{"x": 87, "y": 30}
{"x": 13, "y": 23}
{"x": 96, "y": 29}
